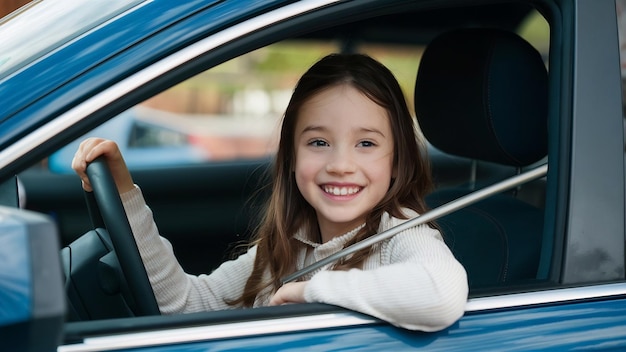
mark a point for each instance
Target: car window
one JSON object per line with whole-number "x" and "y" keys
{"x": 232, "y": 111}
{"x": 225, "y": 122}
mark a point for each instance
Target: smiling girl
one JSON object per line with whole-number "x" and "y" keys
{"x": 349, "y": 165}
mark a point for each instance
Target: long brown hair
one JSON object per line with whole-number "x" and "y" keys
{"x": 287, "y": 211}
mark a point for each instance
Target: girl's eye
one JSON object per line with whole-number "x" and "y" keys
{"x": 318, "y": 143}
{"x": 367, "y": 144}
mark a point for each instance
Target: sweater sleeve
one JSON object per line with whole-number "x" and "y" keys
{"x": 419, "y": 284}
{"x": 174, "y": 290}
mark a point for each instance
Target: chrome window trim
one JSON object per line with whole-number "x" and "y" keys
{"x": 556, "y": 295}
{"x": 214, "y": 332}
{"x": 127, "y": 85}
{"x": 328, "y": 320}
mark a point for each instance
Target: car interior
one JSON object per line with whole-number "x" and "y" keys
{"x": 500, "y": 103}
{"x": 484, "y": 117}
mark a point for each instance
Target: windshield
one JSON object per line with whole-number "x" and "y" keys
{"x": 42, "y": 25}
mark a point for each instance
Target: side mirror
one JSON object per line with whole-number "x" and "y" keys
{"x": 32, "y": 299}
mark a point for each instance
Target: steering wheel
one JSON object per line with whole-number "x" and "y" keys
{"x": 109, "y": 205}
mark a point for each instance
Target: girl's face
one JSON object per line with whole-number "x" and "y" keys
{"x": 344, "y": 157}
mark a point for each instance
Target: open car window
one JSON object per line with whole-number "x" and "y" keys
{"x": 226, "y": 120}
{"x": 228, "y": 116}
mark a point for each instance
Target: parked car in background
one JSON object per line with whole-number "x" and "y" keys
{"x": 144, "y": 143}
{"x": 521, "y": 98}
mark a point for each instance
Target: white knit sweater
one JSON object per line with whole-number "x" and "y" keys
{"x": 411, "y": 280}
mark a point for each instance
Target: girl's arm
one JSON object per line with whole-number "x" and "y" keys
{"x": 419, "y": 285}
{"x": 176, "y": 291}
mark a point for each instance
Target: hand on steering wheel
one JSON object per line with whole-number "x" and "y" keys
{"x": 112, "y": 211}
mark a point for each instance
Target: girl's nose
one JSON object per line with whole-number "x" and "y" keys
{"x": 341, "y": 162}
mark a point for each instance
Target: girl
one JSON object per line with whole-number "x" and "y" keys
{"x": 348, "y": 166}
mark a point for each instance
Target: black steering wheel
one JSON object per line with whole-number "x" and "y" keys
{"x": 110, "y": 207}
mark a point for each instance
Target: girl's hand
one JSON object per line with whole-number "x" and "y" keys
{"x": 292, "y": 292}
{"x": 92, "y": 148}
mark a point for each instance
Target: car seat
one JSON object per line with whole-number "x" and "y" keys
{"x": 483, "y": 94}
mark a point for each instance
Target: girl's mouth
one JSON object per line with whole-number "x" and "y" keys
{"x": 341, "y": 191}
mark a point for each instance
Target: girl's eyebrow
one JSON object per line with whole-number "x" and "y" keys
{"x": 318, "y": 128}
{"x": 372, "y": 130}
{"x": 314, "y": 128}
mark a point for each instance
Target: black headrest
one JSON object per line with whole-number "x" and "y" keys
{"x": 483, "y": 94}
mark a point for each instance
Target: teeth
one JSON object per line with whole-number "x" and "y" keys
{"x": 341, "y": 191}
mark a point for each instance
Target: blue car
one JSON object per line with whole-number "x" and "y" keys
{"x": 144, "y": 143}
{"x": 521, "y": 99}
